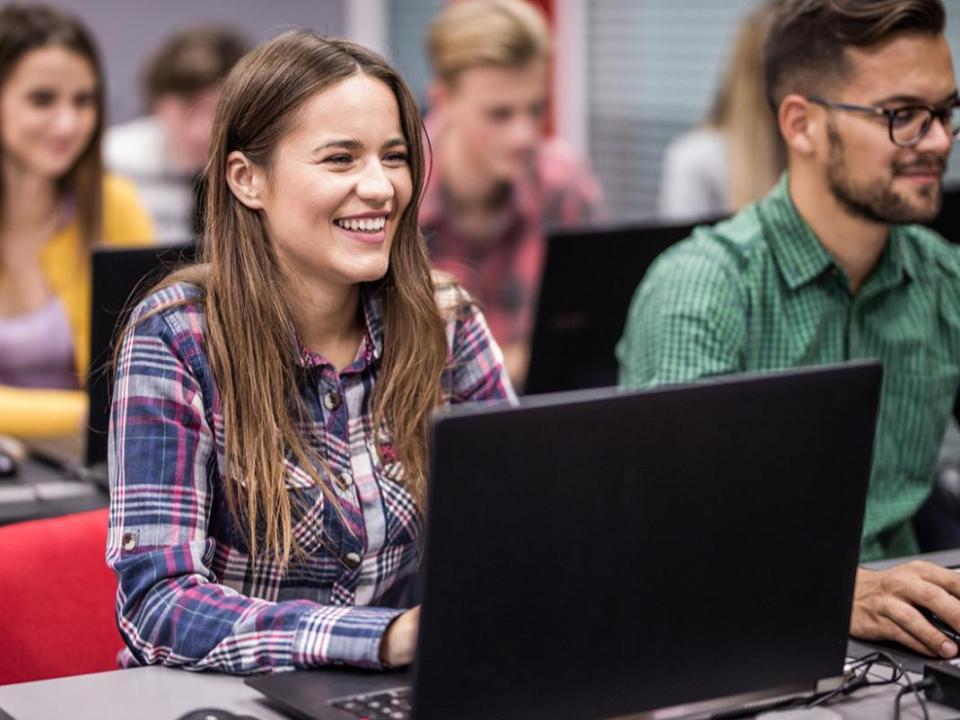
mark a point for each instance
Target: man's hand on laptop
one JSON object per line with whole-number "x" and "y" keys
{"x": 886, "y": 602}
{"x": 400, "y": 640}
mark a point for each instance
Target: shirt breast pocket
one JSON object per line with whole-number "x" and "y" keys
{"x": 403, "y": 517}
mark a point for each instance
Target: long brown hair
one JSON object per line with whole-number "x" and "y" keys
{"x": 755, "y": 153}
{"x": 29, "y": 27}
{"x": 250, "y": 336}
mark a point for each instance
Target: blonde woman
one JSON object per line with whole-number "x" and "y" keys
{"x": 737, "y": 155}
{"x": 55, "y": 203}
{"x": 269, "y": 428}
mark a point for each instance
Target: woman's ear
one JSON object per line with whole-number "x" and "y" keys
{"x": 246, "y": 180}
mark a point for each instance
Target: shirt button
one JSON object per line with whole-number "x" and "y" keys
{"x": 344, "y": 480}
{"x": 331, "y": 400}
{"x": 352, "y": 560}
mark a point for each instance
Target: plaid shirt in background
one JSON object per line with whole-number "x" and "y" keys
{"x": 187, "y": 593}
{"x": 504, "y": 276}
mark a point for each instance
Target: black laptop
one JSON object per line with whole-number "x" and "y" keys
{"x": 602, "y": 553}
{"x": 589, "y": 278}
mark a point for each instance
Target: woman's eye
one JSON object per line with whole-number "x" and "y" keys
{"x": 85, "y": 100}
{"x": 342, "y": 159}
{"x": 396, "y": 158}
{"x": 41, "y": 98}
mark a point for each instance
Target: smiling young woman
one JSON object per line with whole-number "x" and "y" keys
{"x": 269, "y": 427}
{"x": 55, "y": 202}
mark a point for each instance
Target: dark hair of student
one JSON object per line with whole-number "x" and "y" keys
{"x": 29, "y": 27}
{"x": 193, "y": 60}
{"x": 805, "y": 48}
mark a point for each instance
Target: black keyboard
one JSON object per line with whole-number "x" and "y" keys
{"x": 389, "y": 705}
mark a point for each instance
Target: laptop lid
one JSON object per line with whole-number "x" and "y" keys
{"x": 121, "y": 276}
{"x": 589, "y": 277}
{"x": 609, "y": 553}
{"x": 596, "y": 554}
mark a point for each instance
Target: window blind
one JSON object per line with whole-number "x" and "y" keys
{"x": 654, "y": 66}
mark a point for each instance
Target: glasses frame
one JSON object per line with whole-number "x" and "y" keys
{"x": 941, "y": 113}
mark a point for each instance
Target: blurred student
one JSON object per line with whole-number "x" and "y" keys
{"x": 496, "y": 184}
{"x": 164, "y": 152}
{"x": 55, "y": 204}
{"x": 736, "y": 156}
{"x": 268, "y": 436}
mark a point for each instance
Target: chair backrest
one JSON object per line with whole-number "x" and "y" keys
{"x": 57, "y": 599}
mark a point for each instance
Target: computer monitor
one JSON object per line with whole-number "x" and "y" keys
{"x": 589, "y": 278}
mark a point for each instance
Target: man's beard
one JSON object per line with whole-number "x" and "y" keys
{"x": 878, "y": 202}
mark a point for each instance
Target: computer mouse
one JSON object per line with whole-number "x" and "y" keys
{"x": 940, "y": 624}
{"x": 8, "y": 464}
{"x": 214, "y": 714}
{"x": 11, "y": 453}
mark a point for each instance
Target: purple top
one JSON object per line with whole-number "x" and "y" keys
{"x": 36, "y": 349}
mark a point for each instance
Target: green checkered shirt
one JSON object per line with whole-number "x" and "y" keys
{"x": 759, "y": 292}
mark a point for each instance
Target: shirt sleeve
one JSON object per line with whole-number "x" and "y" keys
{"x": 475, "y": 367}
{"x": 171, "y": 608}
{"x": 687, "y": 321}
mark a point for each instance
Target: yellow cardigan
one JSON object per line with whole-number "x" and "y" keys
{"x": 29, "y": 412}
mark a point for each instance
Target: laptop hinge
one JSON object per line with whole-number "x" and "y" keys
{"x": 829, "y": 684}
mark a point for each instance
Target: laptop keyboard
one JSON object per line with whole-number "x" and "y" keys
{"x": 389, "y": 705}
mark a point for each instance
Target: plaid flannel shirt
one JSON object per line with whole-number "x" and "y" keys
{"x": 188, "y": 593}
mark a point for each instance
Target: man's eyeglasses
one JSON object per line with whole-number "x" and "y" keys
{"x": 909, "y": 123}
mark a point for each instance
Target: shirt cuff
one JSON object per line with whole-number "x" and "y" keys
{"x": 342, "y": 635}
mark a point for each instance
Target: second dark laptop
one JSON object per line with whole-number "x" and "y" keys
{"x": 589, "y": 277}
{"x": 598, "y": 554}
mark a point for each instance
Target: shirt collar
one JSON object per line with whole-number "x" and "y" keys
{"x": 801, "y": 256}
{"x": 798, "y": 252}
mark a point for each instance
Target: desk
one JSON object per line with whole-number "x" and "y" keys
{"x": 148, "y": 693}
{"x": 159, "y": 693}
{"x": 40, "y": 491}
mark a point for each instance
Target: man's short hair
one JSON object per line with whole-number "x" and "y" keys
{"x": 193, "y": 60}
{"x": 808, "y": 38}
{"x": 471, "y": 33}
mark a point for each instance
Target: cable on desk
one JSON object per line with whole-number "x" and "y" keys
{"x": 915, "y": 688}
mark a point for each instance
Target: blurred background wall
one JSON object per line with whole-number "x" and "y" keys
{"x": 630, "y": 74}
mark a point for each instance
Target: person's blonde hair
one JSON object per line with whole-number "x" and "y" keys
{"x": 471, "y": 33}
{"x": 250, "y": 335}
{"x": 755, "y": 154}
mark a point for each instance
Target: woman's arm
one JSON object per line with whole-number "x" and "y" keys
{"x": 171, "y": 607}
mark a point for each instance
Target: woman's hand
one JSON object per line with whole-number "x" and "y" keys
{"x": 400, "y": 640}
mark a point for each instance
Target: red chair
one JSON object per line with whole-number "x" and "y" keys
{"x": 56, "y": 599}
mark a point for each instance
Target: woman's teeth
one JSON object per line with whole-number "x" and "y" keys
{"x": 370, "y": 225}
